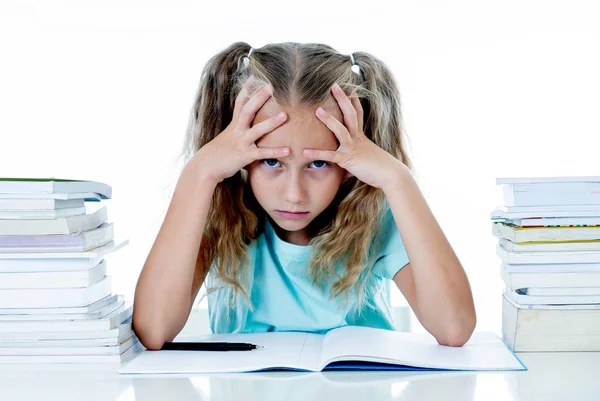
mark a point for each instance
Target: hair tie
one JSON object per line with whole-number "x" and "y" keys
{"x": 356, "y": 68}
{"x": 244, "y": 59}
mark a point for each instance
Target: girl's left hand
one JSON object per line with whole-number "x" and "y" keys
{"x": 357, "y": 154}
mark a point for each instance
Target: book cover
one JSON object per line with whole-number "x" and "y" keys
{"x": 537, "y": 180}
{"x": 521, "y": 235}
{"x": 583, "y": 245}
{"x": 63, "y": 257}
{"x": 541, "y": 279}
{"x": 578, "y": 257}
{"x": 64, "y": 225}
{"x": 41, "y": 214}
{"x": 40, "y": 204}
{"x": 79, "y": 242}
{"x": 49, "y": 279}
{"x": 550, "y": 328}
{"x": 55, "y": 297}
{"x": 53, "y": 185}
{"x": 111, "y": 321}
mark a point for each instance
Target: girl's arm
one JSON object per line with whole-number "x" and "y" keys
{"x": 173, "y": 272}
{"x": 434, "y": 282}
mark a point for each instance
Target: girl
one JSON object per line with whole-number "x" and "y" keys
{"x": 297, "y": 203}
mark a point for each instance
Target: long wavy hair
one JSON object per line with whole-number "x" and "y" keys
{"x": 301, "y": 75}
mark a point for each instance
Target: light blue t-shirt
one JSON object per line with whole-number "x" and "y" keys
{"x": 285, "y": 299}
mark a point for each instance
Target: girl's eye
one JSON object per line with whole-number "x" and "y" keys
{"x": 270, "y": 160}
{"x": 320, "y": 164}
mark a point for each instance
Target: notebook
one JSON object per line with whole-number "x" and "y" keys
{"x": 348, "y": 347}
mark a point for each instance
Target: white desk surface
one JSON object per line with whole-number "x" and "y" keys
{"x": 551, "y": 376}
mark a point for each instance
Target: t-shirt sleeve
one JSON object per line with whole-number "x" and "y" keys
{"x": 392, "y": 255}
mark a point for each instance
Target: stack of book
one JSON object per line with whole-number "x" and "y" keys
{"x": 549, "y": 242}
{"x": 56, "y": 301}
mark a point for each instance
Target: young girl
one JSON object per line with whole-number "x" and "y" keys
{"x": 297, "y": 203}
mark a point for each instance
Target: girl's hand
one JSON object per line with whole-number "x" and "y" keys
{"x": 357, "y": 154}
{"x": 234, "y": 148}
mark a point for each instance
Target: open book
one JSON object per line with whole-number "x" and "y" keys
{"x": 349, "y": 347}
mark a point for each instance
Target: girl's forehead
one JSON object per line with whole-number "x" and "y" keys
{"x": 302, "y": 129}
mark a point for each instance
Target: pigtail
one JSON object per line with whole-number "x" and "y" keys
{"x": 360, "y": 213}
{"x": 215, "y": 98}
{"x": 382, "y": 108}
{"x": 226, "y": 233}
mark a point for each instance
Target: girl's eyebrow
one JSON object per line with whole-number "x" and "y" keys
{"x": 283, "y": 162}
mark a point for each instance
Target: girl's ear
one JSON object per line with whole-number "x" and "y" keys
{"x": 348, "y": 174}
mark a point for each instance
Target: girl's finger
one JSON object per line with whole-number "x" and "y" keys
{"x": 254, "y": 104}
{"x": 359, "y": 111}
{"x": 325, "y": 155}
{"x": 350, "y": 117}
{"x": 269, "y": 153}
{"x": 242, "y": 98}
{"x": 264, "y": 127}
{"x": 338, "y": 129}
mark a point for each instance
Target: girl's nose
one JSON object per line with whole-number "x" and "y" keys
{"x": 294, "y": 188}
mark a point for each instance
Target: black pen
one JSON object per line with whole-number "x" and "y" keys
{"x": 208, "y": 346}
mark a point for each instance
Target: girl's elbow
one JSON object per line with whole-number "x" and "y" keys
{"x": 146, "y": 332}
{"x": 458, "y": 335}
{"x": 150, "y": 340}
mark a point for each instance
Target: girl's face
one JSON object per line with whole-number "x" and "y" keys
{"x": 293, "y": 183}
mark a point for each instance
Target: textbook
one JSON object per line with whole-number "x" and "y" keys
{"x": 81, "y": 241}
{"x": 348, "y": 347}
{"x": 114, "y": 360}
{"x": 550, "y": 328}
{"x": 549, "y": 191}
{"x": 40, "y": 204}
{"x": 91, "y": 308}
{"x": 40, "y": 336}
{"x": 537, "y": 213}
{"x": 561, "y": 291}
{"x": 111, "y": 321}
{"x": 582, "y": 245}
{"x": 546, "y": 234}
{"x": 39, "y": 280}
{"x": 545, "y": 279}
{"x": 551, "y": 268}
{"x": 56, "y": 261}
{"x": 55, "y": 349}
{"x": 18, "y": 314}
{"x": 116, "y": 339}
{"x": 55, "y": 297}
{"x": 569, "y": 210}
{"x": 63, "y": 225}
{"x": 519, "y": 296}
{"x": 554, "y": 221}
{"x": 86, "y": 196}
{"x": 19, "y": 214}
{"x": 537, "y": 257}
{"x": 52, "y": 186}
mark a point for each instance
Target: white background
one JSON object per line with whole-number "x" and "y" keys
{"x": 101, "y": 90}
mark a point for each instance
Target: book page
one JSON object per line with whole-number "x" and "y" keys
{"x": 291, "y": 350}
{"x": 484, "y": 351}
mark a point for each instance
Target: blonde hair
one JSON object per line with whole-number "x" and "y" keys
{"x": 301, "y": 75}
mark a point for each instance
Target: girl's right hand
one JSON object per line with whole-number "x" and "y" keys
{"x": 234, "y": 148}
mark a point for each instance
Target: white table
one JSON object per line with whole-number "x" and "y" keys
{"x": 551, "y": 376}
